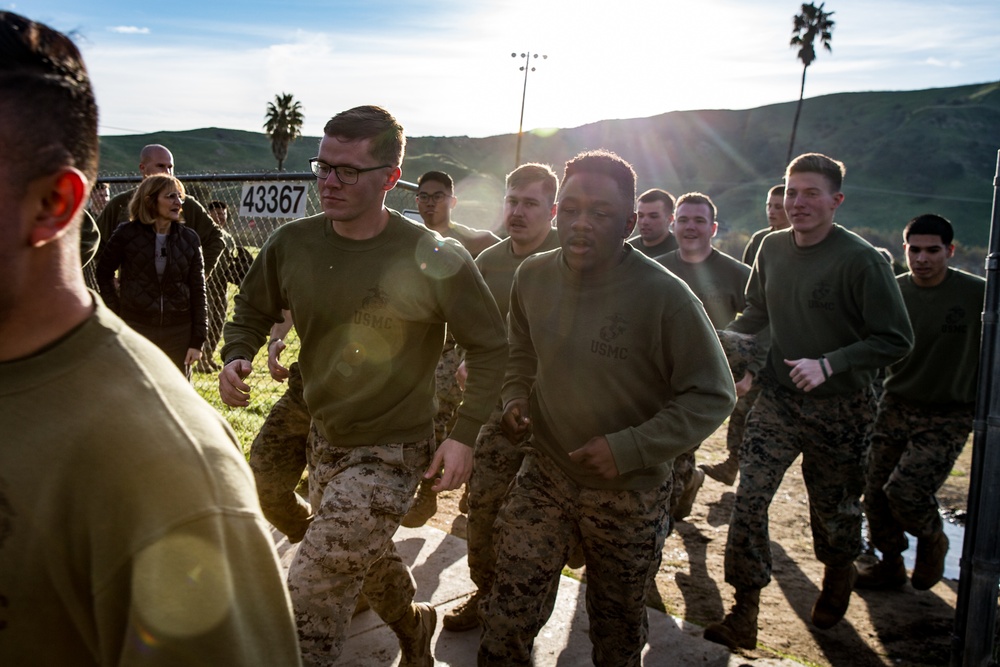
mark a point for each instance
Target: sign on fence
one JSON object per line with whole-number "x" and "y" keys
{"x": 274, "y": 199}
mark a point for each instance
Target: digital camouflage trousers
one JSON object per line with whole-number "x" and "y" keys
{"x": 278, "y": 458}
{"x": 830, "y": 434}
{"x": 913, "y": 449}
{"x": 358, "y": 496}
{"x": 544, "y": 517}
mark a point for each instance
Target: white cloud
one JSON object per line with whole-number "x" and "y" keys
{"x": 937, "y": 62}
{"x": 129, "y": 30}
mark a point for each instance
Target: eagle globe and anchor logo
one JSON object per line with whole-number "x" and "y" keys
{"x": 606, "y": 347}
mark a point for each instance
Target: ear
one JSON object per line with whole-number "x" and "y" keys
{"x": 838, "y": 199}
{"x": 452, "y": 202}
{"x": 715, "y": 229}
{"x": 630, "y": 224}
{"x": 951, "y": 250}
{"x": 390, "y": 181}
{"x": 59, "y": 198}
{"x": 552, "y": 211}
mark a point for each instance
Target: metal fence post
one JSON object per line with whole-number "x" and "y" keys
{"x": 974, "y": 635}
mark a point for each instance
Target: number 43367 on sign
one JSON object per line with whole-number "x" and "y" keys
{"x": 273, "y": 199}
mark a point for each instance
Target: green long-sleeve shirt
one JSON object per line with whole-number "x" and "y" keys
{"x": 371, "y": 316}
{"x": 837, "y": 299}
{"x": 720, "y": 281}
{"x": 947, "y": 324}
{"x": 130, "y": 530}
{"x": 629, "y": 354}
{"x": 498, "y": 264}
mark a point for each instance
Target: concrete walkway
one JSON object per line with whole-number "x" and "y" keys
{"x": 438, "y": 563}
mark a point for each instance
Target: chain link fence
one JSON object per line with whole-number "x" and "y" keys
{"x": 256, "y": 204}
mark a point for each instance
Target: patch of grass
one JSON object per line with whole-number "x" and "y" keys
{"x": 264, "y": 391}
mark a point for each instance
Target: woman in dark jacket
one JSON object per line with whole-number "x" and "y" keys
{"x": 161, "y": 277}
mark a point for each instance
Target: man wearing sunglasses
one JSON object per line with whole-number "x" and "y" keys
{"x": 370, "y": 293}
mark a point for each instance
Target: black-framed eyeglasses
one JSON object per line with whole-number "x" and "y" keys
{"x": 437, "y": 197}
{"x": 346, "y": 175}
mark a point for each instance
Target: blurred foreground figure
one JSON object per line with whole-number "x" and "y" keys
{"x": 129, "y": 529}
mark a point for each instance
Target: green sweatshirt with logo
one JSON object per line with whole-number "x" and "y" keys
{"x": 947, "y": 324}
{"x": 837, "y": 298}
{"x": 628, "y": 354}
{"x": 371, "y": 316}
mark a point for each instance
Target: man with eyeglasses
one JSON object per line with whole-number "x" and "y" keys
{"x": 435, "y": 201}
{"x": 370, "y": 293}
{"x": 157, "y": 159}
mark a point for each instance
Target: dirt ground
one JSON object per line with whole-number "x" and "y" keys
{"x": 899, "y": 628}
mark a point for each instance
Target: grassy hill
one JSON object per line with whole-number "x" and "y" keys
{"x": 906, "y": 152}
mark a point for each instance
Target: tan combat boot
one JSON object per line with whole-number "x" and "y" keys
{"x": 739, "y": 628}
{"x": 890, "y": 572}
{"x": 684, "y": 504}
{"x": 831, "y": 605}
{"x": 929, "y": 567}
{"x": 425, "y": 505}
{"x": 415, "y": 631}
{"x": 724, "y": 472}
{"x": 463, "y": 617}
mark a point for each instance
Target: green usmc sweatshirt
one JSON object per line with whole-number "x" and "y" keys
{"x": 837, "y": 299}
{"x": 947, "y": 324}
{"x": 628, "y": 354}
{"x": 371, "y": 316}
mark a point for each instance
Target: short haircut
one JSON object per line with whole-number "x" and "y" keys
{"x": 817, "y": 163}
{"x": 48, "y": 114}
{"x": 437, "y": 177}
{"x": 533, "y": 172}
{"x": 146, "y": 154}
{"x": 607, "y": 163}
{"x": 930, "y": 223}
{"x": 698, "y": 198}
{"x": 214, "y": 204}
{"x": 143, "y": 206}
{"x": 655, "y": 195}
{"x": 776, "y": 191}
{"x": 370, "y": 122}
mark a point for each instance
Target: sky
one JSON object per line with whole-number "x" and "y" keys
{"x": 445, "y": 67}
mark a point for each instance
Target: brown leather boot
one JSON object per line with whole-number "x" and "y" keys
{"x": 833, "y": 600}
{"x": 686, "y": 502}
{"x": 425, "y": 505}
{"x": 724, "y": 472}
{"x": 463, "y": 617}
{"x": 739, "y": 628}
{"x": 415, "y": 631}
{"x": 929, "y": 567}
{"x": 888, "y": 573}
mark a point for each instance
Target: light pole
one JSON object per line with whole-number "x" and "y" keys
{"x": 526, "y": 67}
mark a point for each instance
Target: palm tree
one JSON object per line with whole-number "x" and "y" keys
{"x": 283, "y": 124}
{"x": 813, "y": 22}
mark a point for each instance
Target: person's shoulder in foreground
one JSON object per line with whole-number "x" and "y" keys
{"x": 129, "y": 529}
{"x": 135, "y": 509}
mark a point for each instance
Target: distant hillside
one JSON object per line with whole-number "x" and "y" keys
{"x": 906, "y": 153}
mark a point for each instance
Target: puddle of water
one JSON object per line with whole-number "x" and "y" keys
{"x": 956, "y": 538}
